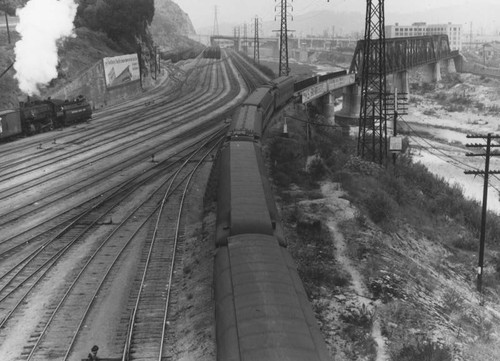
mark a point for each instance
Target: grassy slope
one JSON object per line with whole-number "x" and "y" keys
{"x": 414, "y": 240}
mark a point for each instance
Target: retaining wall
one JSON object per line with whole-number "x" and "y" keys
{"x": 92, "y": 85}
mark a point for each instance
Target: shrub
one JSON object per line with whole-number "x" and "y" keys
{"x": 316, "y": 169}
{"x": 424, "y": 351}
{"x": 452, "y": 301}
{"x": 429, "y": 112}
{"x": 362, "y": 317}
{"x": 387, "y": 287}
{"x": 282, "y": 179}
{"x": 465, "y": 243}
{"x": 380, "y": 206}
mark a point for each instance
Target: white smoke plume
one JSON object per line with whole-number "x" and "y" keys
{"x": 42, "y": 23}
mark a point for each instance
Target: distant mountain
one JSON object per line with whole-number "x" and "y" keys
{"x": 318, "y": 22}
{"x": 484, "y": 20}
{"x": 322, "y": 23}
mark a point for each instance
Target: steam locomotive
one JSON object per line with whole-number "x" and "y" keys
{"x": 37, "y": 116}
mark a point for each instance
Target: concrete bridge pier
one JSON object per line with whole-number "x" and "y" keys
{"x": 459, "y": 63}
{"x": 351, "y": 104}
{"x": 450, "y": 66}
{"x": 328, "y": 107}
{"x": 400, "y": 82}
{"x": 432, "y": 72}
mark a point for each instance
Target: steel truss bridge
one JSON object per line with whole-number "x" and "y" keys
{"x": 404, "y": 53}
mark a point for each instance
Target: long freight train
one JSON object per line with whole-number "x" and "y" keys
{"x": 262, "y": 310}
{"x": 38, "y": 116}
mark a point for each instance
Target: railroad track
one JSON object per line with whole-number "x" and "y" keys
{"x": 66, "y": 314}
{"x": 58, "y": 194}
{"x": 148, "y": 331}
{"x": 252, "y": 78}
{"x": 140, "y": 120}
{"x": 57, "y": 269}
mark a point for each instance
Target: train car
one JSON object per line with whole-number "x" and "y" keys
{"x": 241, "y": 205}
{"x": 246, "y": 123}
{"x": 331, "y": 75}
{"x": 262, "y": 311}
{"x": 212, "y": 52}
{"x": 305, "y": 83}
{"x": 283, "y": 88}
{"x": 264, "y": 100}
{"x": 10, "y": 123}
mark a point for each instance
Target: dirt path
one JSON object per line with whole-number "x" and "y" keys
{"x": 341, "y": 210}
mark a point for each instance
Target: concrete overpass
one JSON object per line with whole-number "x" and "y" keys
{"x": 402, "y": 54}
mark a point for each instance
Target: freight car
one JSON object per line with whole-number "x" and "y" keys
{"x": 212, "y": 52}
{"x": 262, "y": 311}
{"x": 36, "y": 116}
{"x": 10, "y": 124}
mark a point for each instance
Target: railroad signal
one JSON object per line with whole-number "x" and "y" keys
{"x": 485, "y": 173}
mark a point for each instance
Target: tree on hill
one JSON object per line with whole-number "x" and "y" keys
{"x": 120, "y": 20}
{"x": 10, "y": 6}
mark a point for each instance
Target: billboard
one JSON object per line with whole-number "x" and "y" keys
{"x": 120, "y": 70}
{"x": 320, "y": 89}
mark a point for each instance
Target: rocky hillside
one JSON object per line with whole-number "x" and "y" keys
{"x": 171, "y": 25}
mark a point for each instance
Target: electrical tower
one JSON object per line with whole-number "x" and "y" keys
{"x": 283, "y": 67}
{"x": 256, "y": 44}
{"x": 372, "y": 139}
{"x": 237, "y": 33}
{"x": 245, "y": 38}
{"x": 215, "y": 30}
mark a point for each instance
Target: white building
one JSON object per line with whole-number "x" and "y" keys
{"x": 454, "y": 32}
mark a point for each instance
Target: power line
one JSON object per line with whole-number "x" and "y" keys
{"x": 455, "y": 162}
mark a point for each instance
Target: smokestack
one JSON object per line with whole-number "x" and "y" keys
{"x": 42, "y": 24}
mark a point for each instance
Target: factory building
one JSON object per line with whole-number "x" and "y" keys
{"x": 454, "y": 32}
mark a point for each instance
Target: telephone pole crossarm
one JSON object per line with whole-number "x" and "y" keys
{"x": 481, "y": 172}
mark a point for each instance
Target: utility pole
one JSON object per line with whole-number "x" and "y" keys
{"x": 256, "y": 44}
{"x": 372, "y": 137}
{"x": 284, "y": 69}
{"x": 159, "y": 59}
{"x": 470, "y": 35}
{"x": 485, "y": 173}
{"x": 245, "y": 38}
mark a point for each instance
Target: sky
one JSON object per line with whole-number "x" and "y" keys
{"x": 240, "y": 11}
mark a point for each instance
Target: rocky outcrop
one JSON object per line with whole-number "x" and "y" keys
{"x": 170, "y": 23}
